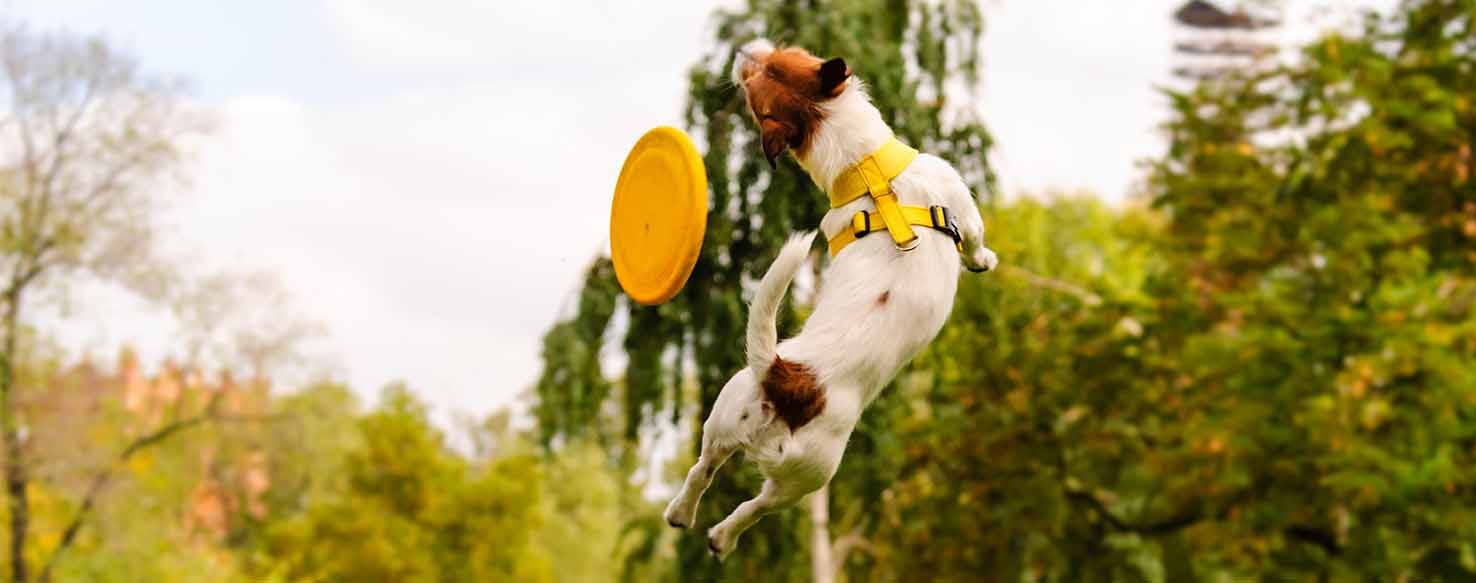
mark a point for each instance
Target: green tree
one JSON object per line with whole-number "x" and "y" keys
{"x": 906, "y": 52}
{"x": 1274, "y": 376}
{"x": 1323, "y": 217}
{"x": 411, "y": 510}
{"x": 1028, "y": 388}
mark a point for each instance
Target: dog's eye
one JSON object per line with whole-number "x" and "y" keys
{"x": 743, "y": 417}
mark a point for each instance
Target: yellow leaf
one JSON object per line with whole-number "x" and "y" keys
{"x": 1374, "y": 413}
{"x": 1018, "y": 400}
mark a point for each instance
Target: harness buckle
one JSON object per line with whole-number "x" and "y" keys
{"x": 943, "y": 221}
{"x": 861, "y": 224}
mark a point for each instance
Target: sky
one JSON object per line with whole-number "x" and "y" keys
{"x": 395, "y": 163}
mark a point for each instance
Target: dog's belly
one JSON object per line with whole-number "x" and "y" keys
{"x": 876, "y": 310}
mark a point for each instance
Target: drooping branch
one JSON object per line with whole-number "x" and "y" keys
{"x": 1051, "y": 283}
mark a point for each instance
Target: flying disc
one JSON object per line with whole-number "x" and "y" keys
{"x": 659, "y": 216}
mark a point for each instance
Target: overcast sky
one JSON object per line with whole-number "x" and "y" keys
{"x": 388, "y": 160}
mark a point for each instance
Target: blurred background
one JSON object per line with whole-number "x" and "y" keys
{"x": 280, "y": 299}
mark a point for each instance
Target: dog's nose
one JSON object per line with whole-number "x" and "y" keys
{"x": 756, "y": 49}
{"x": 749, "y": 56}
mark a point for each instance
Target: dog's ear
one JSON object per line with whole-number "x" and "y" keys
{"x": 833, "y": 75}
{"x": 776, "y": 136}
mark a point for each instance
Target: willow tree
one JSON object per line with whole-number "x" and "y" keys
{"x": 907, "y": 53}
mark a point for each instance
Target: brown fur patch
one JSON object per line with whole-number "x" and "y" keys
{"x": 794, "y": 392}
{"x": 881, "y": 300}
{"x": 784, "y": 91}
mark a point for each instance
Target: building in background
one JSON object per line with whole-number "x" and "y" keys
{"x": 1212, "y": 42}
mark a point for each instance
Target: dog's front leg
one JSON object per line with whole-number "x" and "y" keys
{"x": 682, "y": 511}
{"x": 976, "y": 257}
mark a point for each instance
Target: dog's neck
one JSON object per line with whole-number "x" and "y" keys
{"x": 851, "y": 129}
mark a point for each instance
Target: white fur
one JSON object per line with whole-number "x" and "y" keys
{"x": 853, "y": 342}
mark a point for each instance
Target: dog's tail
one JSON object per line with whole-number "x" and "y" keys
{"x": 763, "y": 334}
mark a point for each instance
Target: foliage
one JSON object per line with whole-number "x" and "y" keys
{"x": 303, "y": 486}
{"x": 412, "y": 511}
{"x": 399, "y": 506}
{"x": 151, "y": 519}
{"x": 1280, "y": 380}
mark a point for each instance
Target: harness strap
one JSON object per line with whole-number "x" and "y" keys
{"x": 865, "y": 222}
{"x": 873, "y": 175}
{"x": 883, "y": 165}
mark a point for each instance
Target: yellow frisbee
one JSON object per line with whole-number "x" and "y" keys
{"x": 659, "y": 216}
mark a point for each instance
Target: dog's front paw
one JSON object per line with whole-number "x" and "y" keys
{"x": 981, "y": 260}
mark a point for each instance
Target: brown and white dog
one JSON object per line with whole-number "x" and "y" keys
{"x": 792, "y": 409}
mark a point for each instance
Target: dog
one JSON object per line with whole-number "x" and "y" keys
{"x": 792, "y": 409}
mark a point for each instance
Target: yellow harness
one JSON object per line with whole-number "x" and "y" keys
{"x": 873, "y": 175}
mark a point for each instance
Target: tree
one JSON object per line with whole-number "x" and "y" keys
{"x": 197, "y": 486}
{"x": 1278, "y": 380}
{"x": 906, "y": 52}
{"x": 1024, "y": 394}
{"x": 1322, "y": 216}
{"x": 241, "y": 322}
{"x": 88, "y": 141}
{"x": 409, "y": 509}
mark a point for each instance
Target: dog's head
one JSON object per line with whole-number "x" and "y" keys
{"x": 785, "y": 88}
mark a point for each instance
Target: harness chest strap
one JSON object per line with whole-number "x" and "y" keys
{"x": 863, "y": 223}
{"x": 873, "y": 175}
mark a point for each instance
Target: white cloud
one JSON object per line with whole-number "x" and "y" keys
{"x": 413, "y": 226}
{"x": 436, "y": 227}
{"x": 611, "y": 38}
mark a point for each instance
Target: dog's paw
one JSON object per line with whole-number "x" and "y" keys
{"x": 679, "y": 515}
{"x": 719, "y": 544}
{"x": 981, "y": 260}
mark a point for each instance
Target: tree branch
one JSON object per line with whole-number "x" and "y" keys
{"x": 844, "y": 545}
{"x": 1308, "y": 534}
{"x": 1051, "y": 283}
{"x": 1316, "y": 536}
{"x": 58, "y": 148}
{"x": 101, "y": 480}
{"x": 69, "y": 535}
{"x": 1165, "y": 526}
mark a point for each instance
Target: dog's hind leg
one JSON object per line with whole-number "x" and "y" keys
{"x": 735, "y": 416}
{"x": 682, "y": 511}
{"x": 722, "y": 538}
